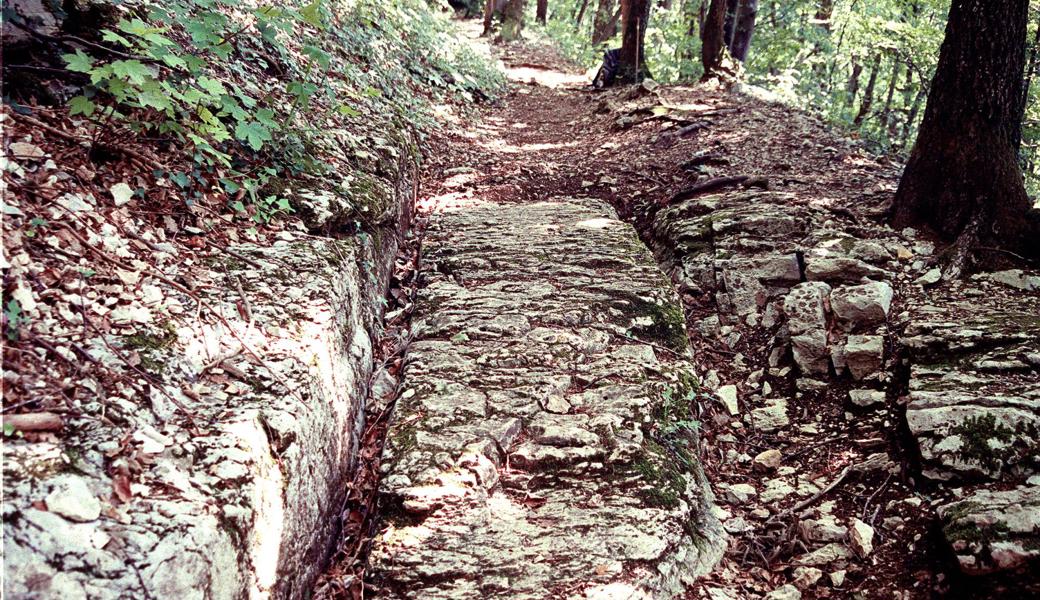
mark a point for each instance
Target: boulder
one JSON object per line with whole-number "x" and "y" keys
{"x": 861, "y": 306}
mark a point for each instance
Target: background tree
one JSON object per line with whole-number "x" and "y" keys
{"x": 743, "y": 29}
{"x": 541, "y": 11}
{"x": 714, "y": 53}
{"x": 605, "y": 23}
{"x": 512, "y": 20}
{"x": 963, "y": 180}
{"x": 634, "y": 17}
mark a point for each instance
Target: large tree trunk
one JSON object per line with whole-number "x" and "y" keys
{"x": 634, "y": 15}
{"x": 745, "y": 29}
{"x": 542, "y": 10}
{"x": 512, "y": 20}
{"x": 604, "y": 26}
{"x": 963, "y": 180}
{"x": 714, "y": 54}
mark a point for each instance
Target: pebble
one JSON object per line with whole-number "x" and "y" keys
{"x": 770, "y": 459}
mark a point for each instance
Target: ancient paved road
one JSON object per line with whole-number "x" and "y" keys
{"x": 542, "y": 448}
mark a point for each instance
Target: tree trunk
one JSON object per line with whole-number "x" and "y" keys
{"x": 714, "y": 54}
{"x": 542, "y": 10}
{"x": 868, "y": 93}
{"x": 853, "y": 86}
{"x": 824, "y": 12}
{"x": 963, "y": 180}
{"x": 634, "y": 15}
{"x": 512, "y": 20}
{"x": 1031, "y": 69}
{"x": 581, "y": 14}
{"x": 604, "y": 25}
{"x": 489, "y": 14}
{"x": 745, "y": 28}
{"x": 732, "y": 7}
{"x": 886, "y": 111}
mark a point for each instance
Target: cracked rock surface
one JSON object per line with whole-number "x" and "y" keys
{"x": 543, "y": 446}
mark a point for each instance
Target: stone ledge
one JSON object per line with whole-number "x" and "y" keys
{"x": 244, "y": 503}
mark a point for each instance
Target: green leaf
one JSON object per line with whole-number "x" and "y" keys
{"x": 347, "y": 110}
{"x": 312, "y": 14}
{"x": 115, "y": 38}
{"x": 180, "y": 178}
{"x": 253, "y": 133}
{"x": 81, "y": 105}
{"x": 133, "y": 71}
{"x": 213, "y": 86}
{"x": 79, "y": 62}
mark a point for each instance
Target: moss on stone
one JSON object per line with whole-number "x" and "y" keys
{"x": 976, "y": 432}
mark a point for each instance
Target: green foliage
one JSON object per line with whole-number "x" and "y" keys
{"x": 14, "y": 318}
{"x": 256, "y": 94}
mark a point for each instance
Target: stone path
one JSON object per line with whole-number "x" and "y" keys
{"x": 543, "y": 446}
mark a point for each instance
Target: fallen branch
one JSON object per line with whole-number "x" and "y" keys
{"x": 812, "y": 499}
{"x": 718, "y": 183}
{"x": 148, "y": 161}
{"x": 703, "y": 159}
{"x": 40, "y": 421}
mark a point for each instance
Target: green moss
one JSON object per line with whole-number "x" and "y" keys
{"x": 976, "y": 433}
{"x": 667, "y": 322}
{"x": 659, "y": 469}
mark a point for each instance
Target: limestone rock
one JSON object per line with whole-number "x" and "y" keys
{"x": 72, "y": 499}
{"x": 861, "y": 537}
{"x": 824, "y": 529}
{"x": 768, "y": 459}
{"x": 787, "y": 592}
{"x": 811, "y": 353}
{"x": 806, "y": 307}
{"x": 728, "y": 395}
{"x": 861, "y": 306}
{"x": 994, "y": 530}
{"x": 740, "y": 493}
{"x": 588, "y": 482}
{"x": 806, "y": 577}
{"x": 864, "y": 354}
{"x": 867, "y": 397}
{"x": 839, "y": 269}
{"x": 772, "y": 416}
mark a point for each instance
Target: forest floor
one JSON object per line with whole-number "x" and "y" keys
{"x": 553, "y": 136}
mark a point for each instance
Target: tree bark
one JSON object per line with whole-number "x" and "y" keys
{"x": 963, "y": 180}
{"x": 489, "y": 14}
{"x": 868, "y": 93}
{"x": 732, "y": 8}
{"x": 853, "y": 86}
{"x": 745, "y": 29}
{"x": 634, "y": 15}
{"x": 604, "y": 25}
{"x": 713, "y": 46}
{"x": 512, "y": 20}
{"x": 542, "y": 10}
{"x": 581, "y": 14}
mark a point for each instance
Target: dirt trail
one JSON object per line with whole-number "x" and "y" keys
{"x": 802, "y": 475}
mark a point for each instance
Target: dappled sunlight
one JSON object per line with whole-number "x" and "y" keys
{"x": 544, "y": 77}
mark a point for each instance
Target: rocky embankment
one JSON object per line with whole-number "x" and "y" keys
{"x": 824, "y": 314}
{"x": 226, "y": 481}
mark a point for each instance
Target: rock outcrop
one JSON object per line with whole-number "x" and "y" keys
{"x": 240, "y": 500}
{"x": 545, "y": 445}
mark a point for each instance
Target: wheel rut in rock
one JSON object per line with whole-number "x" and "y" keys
{"x": 543, "y": 445}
